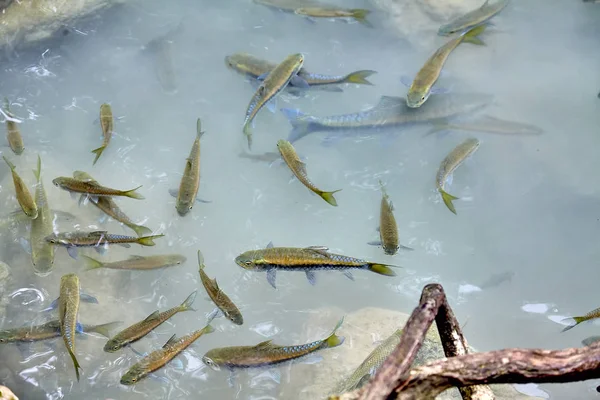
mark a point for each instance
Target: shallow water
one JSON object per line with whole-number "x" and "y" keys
{"x": 530, "y": 204}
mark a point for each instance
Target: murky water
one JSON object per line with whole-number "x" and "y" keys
{"x": 530, "y": 205}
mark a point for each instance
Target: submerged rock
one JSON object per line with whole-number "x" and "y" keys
{"x": 7, "y": 394}
{"x": 363, "y": 330}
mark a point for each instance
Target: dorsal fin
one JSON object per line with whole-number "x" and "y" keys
{"x": 322, "y": 250}
{"x": 264, "y": 345}
{"x": 98, "y": 233}
{"x": 172, "y": 340}
{"x": 136, "y": 257}
{"x": 152, "y": 316}
{"x": 215, "y": 284}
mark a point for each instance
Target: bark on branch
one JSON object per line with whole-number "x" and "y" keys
{"x": 394, "y": 380}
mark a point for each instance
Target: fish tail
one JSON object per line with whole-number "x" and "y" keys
{"x": 38, "y": 172}
{"x": 92, "y": 263}
{"x": 187, "y": 303}
{"x": 360, "y": 15}
{"x": 105, "y": 329}
{"x": 10, "y": 165}
{"x": 359, "y": 77}
{"x": 302, "y": 124}
{"x": 334, "y": 340}
{"x": 200, "y": 260}
{"x": 248, "y": 133}
{"x": 148, "y": 240}
{"x": 75, "y": 362}
{"x": 98, "y": 152}
{"x": 141, "y": 230}
{"x": 448, "y": 198}
{"x": 328, "y": 197}
{"x": 577, "y": 320}
{"x": 470, "y": 36}
{"x": 133, "y": 194}
{"x": 208, "y": 329}
{"x": 382, "y": 269}
{"x": 199, "y": 132}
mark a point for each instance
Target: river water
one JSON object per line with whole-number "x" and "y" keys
{"x": 529, "y": 205}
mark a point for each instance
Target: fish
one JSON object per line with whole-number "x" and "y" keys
{"x": 449, "y": 164}
{"x": 22, "y": 192}
{"x": 160, "y": 48}
{"x": 221, "y": 300}
{"x": 287, "y": 5}
{"x": 106, "y": 123}
{"x": 51, "y": 330}
{"x": 267, "y": 353}
{"x": 590, "y": 340}
{"x": 137, "y": 331}
{"x": 255, "y": 67}
{"x": 487, "y": 11}
{"x": 13, "y": 135}
{"x": 388, "y": 228}
{"x": 358, "y": 14}
{"x": 589, "y": 316}
{"x": 108, "y": 206}
{"x": 137, "y": 262}
{"x": 488, "y": 124}
{"x": 309, "y": 260}
{"x": 190, "y": 181}
{"x": 68, "y": 307}
{"x": 159, "y": 358}
{"x": 289, "y": 155}
{"x": 97, "y": 239}
{"x": 270, "y": 87}
{"x": 388, "y": 113}
{"x": 93, "y": 189}
{"x": 371, "y": 364}
{"x": 421, "y": 87}
{"x": 42, "y": 253}
{"x": 269, "y": 157}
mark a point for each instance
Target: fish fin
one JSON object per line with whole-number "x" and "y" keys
{"x": 406, "y": 81}
{"x": 590, "y": 340}
{"x": 272, "y": 106}
{"x": 38, "y": 172}
{"x": 199, "y": 200}
{"x": 187, "y": 303}
{"x": 470, "y": 36}
{"x": 83, "y": 199}
{"x": 403, "y": 247}
{"x": 92, "y": 263}
{"x": 302, "y": 124}
{"x": 262, "y": 77}
{"x": 448, "y": 198}
{"x": 87, "y": 298}
{"x": 100, "y": 249}
{"x": 152, "y": 316}
{"x": 267, "y": 344}
{"x": 247, "y": 131}
{"x": 126, "y": 245}
{"x": 75, "y": 363}
{"x": 333, "y": 340}
{"x": 312, "y": 277}
{"x": 577, "y": 320}
{"x": 174, "y": 192}
{"x": 440, "y": 90}
{"x": 382, "y": 269}
{"x": 78, "y": 327}
{"x": 141, "y": 230}
{"x": 98, "y": 153}
{"x": 328, "y": 197}
{"x": 271, "y": 277}
{"x": 216, "y": 313}
{"x": 359, "y": 77}
{"x": 148, "y": 240}
{"x": 299, "y": 82}
{"x": 362, "y": 381}
{"x": 72, "y": 250}
{"x": 171, "y": 340}
{"x": 270, "y": 245}
{"x": 375, "y": 243}
{"x": 133, "y": 194}
{"x": 103, "y": 329}
{"x": 201, "y": 260}
{"x": 208, "y": 328}
{"x": 52, "y": 306}
{"x": 199, "y": 131}
{"x": 10, "y": 165}
{"x": 177, "y": 363}
{"x": 360, "y": 15}
{"x": 348, "y": 275}
{"x": 137, "y": 352}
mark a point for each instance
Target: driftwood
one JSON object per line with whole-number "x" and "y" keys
{"x": 395, "y": 379}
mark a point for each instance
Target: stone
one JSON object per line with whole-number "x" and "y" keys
{"x": 7, "y": 394}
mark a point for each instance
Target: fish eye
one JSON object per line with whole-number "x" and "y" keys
{"x": 423, "y": 98}
{"x": 190, "y": 207}
{"x": 248, "y": 263}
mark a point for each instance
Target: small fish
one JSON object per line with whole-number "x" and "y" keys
{"x": 221, "y": 300}
{"x": 590, "y": 340}
{"x": 137, "y": 262}
{"x": 388, "y": 228}
{"x": 97, "y": 239}
{"x": 109, "y": 207}
{"x": 449, "y": 165}
{"x": 308, "y": 260}
{"x": 289, "y": 155}
{"x": 159, "y": 358}
{"x": 93, "y": 189}
{"x": 389, "y": 112}
{"x": 589, "y": 316}
{"x": 255, "y": 67}
{"x": 269, "y": 157}
{"x": 160, "y": 48}
{"x": 51, "y": 330}
{"x": 358, "y": 14}
{"x": 473, "y": 18}
{"x": 371, "y": 364}
{"x": 190, "y": 181}
{"x": 106, "y": 122}
{"x": 42, "y": 253}
{"x": 68, "y": 307}
{"x": 286, "y": 5}
{"x": 274, "y": 83}
{"x": 139, "y": 330}
{"x": 488, "y": 124}
{"x": 13, "y": 135}
{"x": 267, "y": 353}
{"x": 421, "y": 87}
{"x": 22, "y": 192}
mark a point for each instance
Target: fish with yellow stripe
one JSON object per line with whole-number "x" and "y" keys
{"x": 578, "y": 320}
